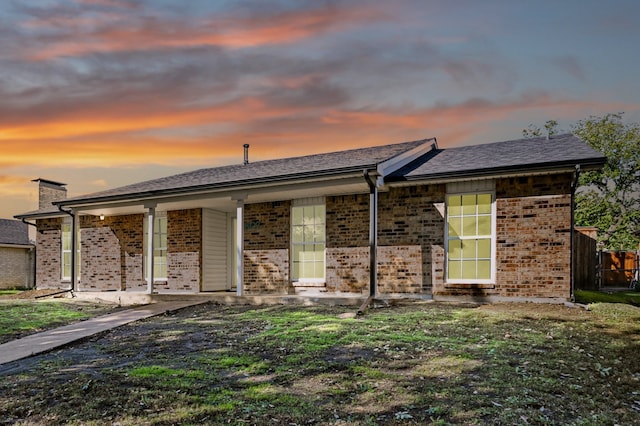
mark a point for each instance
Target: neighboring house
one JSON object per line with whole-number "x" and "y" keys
{"x": 17, "y": 255}
{"x": 407, "y": 219}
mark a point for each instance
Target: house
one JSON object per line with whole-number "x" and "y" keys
{"x": 17, "y": 255}
{"x": 492, "y": 221}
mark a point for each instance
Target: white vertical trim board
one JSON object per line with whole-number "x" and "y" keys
{"x": 215, "y": 252}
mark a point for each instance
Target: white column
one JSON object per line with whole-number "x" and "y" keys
{"x": 75, "y": 246}
{"x": 151, "y": 215}
{"x": 239, "y": 247}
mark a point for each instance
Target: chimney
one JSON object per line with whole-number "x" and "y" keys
{"x": 49, "y": 191}
{"x": 246, "y": 154}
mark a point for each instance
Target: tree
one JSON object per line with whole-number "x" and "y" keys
{"x": 608, "y": 199}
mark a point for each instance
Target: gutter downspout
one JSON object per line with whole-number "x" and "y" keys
{"x": 74, "y": 248}
{"x": 29, "y": 223}
{"x": 373, "y": 241}
{"x": 574, "y": 186}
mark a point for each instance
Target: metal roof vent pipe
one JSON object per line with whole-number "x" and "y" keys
{"x": 246, "y": 154}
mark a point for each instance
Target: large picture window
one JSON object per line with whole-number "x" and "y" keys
{"x": 308, "y": 241}
{"x": 470, "y": 237}
{"x": 159, "y": 246}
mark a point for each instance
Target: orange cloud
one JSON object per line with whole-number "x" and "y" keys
{"x": 113, "y": 119}
{"x": 214, "y": 135}
{"x": 99, "y": 34}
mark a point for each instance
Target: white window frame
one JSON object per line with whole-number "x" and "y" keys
{"x": 295, "y": 273}
{"x": 160, "y": 257}
{"x": 65, "y": 234}
{"x": 491, "y": 236}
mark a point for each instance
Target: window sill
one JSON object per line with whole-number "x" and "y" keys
{"x": 470, "y": 285}
{"x": 308, "y": 284}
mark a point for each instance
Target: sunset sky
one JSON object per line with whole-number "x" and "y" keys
{"x": 103, "y": 93}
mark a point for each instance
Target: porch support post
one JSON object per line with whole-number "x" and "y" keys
{"x": 373, "y": 235}
{"x": 151, "y": 215}
{"x": 239, "y": 247}
{"x": 75, "y": 246}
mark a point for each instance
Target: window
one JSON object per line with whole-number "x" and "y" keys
{"x": 66, "y": 250}
{"x": 470, "y": 237}
{"x": 308, "y": 240}
{"x": 159, "y": 246}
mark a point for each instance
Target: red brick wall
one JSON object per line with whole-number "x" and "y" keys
{"x": 48, "y": 255}
{"x": 411, "y": 233}
{"x": 533, "y": 240}
{"x": 267, "y": 230}
{"x": 184, "y": 250}
{"x": 112, "y": 253}
{"x": 348, "y": 221}
{"x": 267, "y": 226}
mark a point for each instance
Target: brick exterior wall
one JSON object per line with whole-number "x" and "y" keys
{"x": 184, "y": 251}
{"x": 532, "y": 243}
{"x": 347, "y": 269}
{"x": 534, "y": 237}
{"x": 111, "y": 253}
{"x": 267, "y": 226}
{"x": 347, "y": 253}
{"x": 533, "y": 240}
{"x": 267, "y": 233}
{"x": 348, "y": 221}
{"x": 411, "y": 238}
{"x": 48, "y": 257}
{"x": 267, "y": 271}
{"x": 16, "y": 266}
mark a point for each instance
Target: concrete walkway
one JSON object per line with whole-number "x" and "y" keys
{"x": 57, "y": 337}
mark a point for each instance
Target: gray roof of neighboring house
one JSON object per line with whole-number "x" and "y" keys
{"x": 333, "y": 163}
{"x": 14, "y": 232}
{"x": 501, "y": 157}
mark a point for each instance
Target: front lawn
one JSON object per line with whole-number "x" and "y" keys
{"x": 422, "y": 363}
{"x": 587, "y": 297}
{"x": 22, "y": 317}
{"x": 9, "y": 292}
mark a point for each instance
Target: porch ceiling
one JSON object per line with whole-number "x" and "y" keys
{"x": 226, "y": 201}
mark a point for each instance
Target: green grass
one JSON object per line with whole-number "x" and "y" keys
{"x": 424, "y": 363}
{"x": 628, "y": 297}
{"x": 9, "y": 292}
{"x": 20, "y": 318}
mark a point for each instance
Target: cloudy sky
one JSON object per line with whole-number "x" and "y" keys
{"x": 103, "y": 93}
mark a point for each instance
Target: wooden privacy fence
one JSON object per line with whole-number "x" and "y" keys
{"x": 617, "y": 268}
{"x": 585, "y": 258}
{"x": 595, "y": 270}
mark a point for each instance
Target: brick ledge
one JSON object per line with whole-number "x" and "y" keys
{"x": 470, "y": 286}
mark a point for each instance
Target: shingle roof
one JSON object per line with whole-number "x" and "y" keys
{"x": 260, "y": 171}
{"x": 521, "y": 156}
{"x": 13, "y": 232}
{"x": 498, "y": 157}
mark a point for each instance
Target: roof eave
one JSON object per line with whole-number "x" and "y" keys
{"x": 17, "y": 246}
{"x": 214, "y": 188}
{"x": 36, "y": 215}
{"x": 559, "y": 167}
